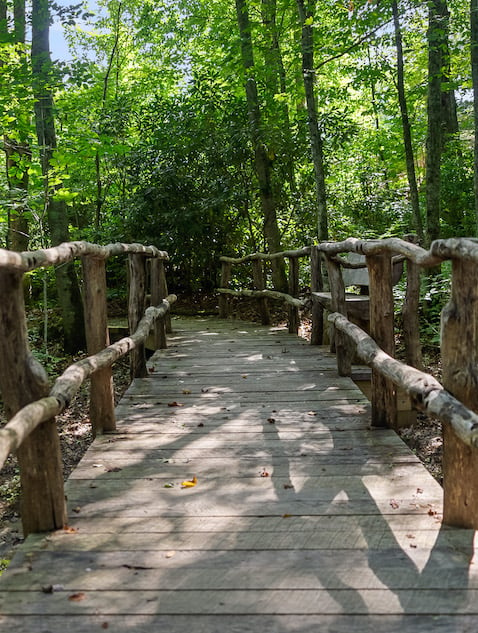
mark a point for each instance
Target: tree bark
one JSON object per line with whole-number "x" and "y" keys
{"x": 66, "y": 282}
{"x": 262, "y": 160}
{"x": 316, "y": 144}
{"x": 406, "y": 127}
{"x": 434, "y": 144}
{"x": 16, "y": 146}
{"x": 474, "y": 75}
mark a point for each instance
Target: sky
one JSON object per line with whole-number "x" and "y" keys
{"x": 58, "y": 45}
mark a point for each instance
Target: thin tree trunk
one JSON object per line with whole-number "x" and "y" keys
{"x": 66, "y": 281}
{"x": 474, "y": 74}
{"x": 434, "y": 145}
{"x": 16, "y": 146}
{"x": 406, "y": 127}
{"x": 316, "y": 144}
{"x": 261, "y": 159}
{"x": 277, "y": 83}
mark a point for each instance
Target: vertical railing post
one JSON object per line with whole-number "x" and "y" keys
{"x": 158, "y": 293}
{"x": 102, "y": 414}
{"x": 23, "y": 380}
{"x": 316, "y": 285}
{"x": 459, "y": 346}
{"x": 136, "y": 304}
{"x": 384, "y": 397}
{"x": 258, "y": 276}
{"x": 224, "y": 303}
{"x": 293, "y": 311}
{"x": 339, "y": 340}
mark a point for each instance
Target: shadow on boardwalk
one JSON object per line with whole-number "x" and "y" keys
{"x": 303, "y": 519}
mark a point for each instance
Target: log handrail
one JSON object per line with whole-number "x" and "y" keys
{"x": 291, "y": 298}
{"x": 67, "y": 385}
{"x": 455, "y": 403}
{"x": 30, "y": 404}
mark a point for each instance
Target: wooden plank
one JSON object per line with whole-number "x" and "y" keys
{"x": 269, "y": 602}
{"x": 243, "y": 624}
{"x": 216, "y": 570}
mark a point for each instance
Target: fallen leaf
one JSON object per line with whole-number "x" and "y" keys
{"x": 413, "y": 545}
{"x": 271, "y": 420}
{"x": 190, "y": 483}
{"x": 152, "y": 370}
{"x": 201, "y": 424}
{"x": 311, "y": 412}
{"x": 431, "y": 512}
{"x": 264, "y": 473}
{"x": 69, "y": 530}
{"x": 169, "y": 485}
{"x": 186, "y": 392}
{"x": 394, "y": 504}
{"x": 419, "y": 491}
{"x": 77, "y": 509}
{"x": 288, "y": 486}
{"x": 244, "y": 375}
{"x": 77, "y": 597}
{"x": 286, "y": 516}
{"x": 113, "y": 469}
{"x": 174, "y": 404}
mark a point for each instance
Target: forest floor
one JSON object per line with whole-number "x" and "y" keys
{"x": 424, "y": 438}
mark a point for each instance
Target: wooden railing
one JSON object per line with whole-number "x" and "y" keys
{"x": 30, "y": 404}
{"x": 456, "y": 402}
{"x": 260, "y": 292}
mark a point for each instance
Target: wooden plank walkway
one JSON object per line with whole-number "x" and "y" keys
{"x": 303, "y": 519}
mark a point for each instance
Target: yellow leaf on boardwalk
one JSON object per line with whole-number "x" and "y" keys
{"x": 189, "y": 484}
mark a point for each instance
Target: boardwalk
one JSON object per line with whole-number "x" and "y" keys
{"x": 302, "y": 518}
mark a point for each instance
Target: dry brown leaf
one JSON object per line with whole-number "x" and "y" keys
{"x": 174, "y": 404}
{"x": 77, "y": 597}
{"x": 70, "y": 530}
{"x": 186, "y": 392}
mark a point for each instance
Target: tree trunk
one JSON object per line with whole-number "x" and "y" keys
{"x": 407, "y": 133}
{"x": 474, "y": 74}
{"x": 262, "y": 160}
{"x": 66, "y": 281}
{"x": 16, "y": 146}
{"x": 276, "y": 83}
{"x": 434, "y": 145}
{"x": 316, "y": 145}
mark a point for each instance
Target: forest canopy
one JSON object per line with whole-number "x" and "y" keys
{"x": 208, "y": 127}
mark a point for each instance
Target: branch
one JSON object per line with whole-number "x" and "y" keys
{"x": 352, "y": 46}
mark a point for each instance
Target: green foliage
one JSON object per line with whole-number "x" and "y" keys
{"x": 153, "y": 131}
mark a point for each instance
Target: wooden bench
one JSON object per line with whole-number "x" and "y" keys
{"x": 355, "y": 274}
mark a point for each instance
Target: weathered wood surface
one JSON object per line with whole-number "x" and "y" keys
{"x": 342, "y": 534}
